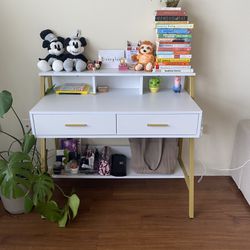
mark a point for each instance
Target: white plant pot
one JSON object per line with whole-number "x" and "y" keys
{"x": 13, "y": 206}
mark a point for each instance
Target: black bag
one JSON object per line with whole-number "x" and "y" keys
{"x": 118, "y": 166}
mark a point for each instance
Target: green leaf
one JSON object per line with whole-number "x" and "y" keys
{"x": 5, "y": 102}
{"x": 74, "y": 203}
{"x": 50, "y": 90}
{"x": 43, "y": 187}
{"x": 15, "y": 175}
{"x": 18, "y": 157}
{"x": 28, "y": 204}
{"x": 50, "y": 211}
{"x": 63, "y": 221}
{"x": 28, "y": 143}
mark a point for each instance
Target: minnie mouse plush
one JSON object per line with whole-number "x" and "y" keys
{"x": 74, "y": 59}
{"x": 55, "y": 46}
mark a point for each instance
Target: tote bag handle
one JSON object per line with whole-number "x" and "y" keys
{"x": 144, "y": 149}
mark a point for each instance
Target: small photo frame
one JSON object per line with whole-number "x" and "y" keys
{"x": 110, "y": 58}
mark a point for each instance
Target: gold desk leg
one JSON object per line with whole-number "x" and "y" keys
{"x": 191, "y": 86}
{"x": 42, "y": 85}
{"x": 182, "y": 165}
{"x": 49, "y": 81}
{"x": 43, "y": 155}
{"x": 43, "y": 140}
{"x": 191, "y": 178}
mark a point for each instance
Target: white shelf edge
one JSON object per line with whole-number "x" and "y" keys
{"x": 178, "y": 174}
{"x": 113, "y": 72}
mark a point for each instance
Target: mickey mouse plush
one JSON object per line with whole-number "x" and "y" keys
{"x": 75, "y": 59}
{"x": 55, "y": 46}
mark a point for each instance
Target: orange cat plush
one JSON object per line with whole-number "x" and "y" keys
{"x": 145, "y": 59}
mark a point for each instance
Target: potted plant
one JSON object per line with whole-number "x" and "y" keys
{"x": 154, "y": 84}
{"x": 171, "y": 3}
{"x": 23, "y": 186}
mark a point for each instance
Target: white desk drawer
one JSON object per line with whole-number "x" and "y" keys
{"x": 169, "y": 124}
{"x": 74, "y": 125}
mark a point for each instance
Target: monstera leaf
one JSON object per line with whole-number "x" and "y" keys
{"x": 15, "y": 175}
{"x": 70, "y": 208}
{"x": 28, "y": 143}
{"x": 50, "y": 210}
{"x": 43, "y": 187}
{"x": 5, "y": 102}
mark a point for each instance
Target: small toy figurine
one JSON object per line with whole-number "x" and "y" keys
{"x": 177, "y": 84}
{"x": 123, "y": 65}
{"x": 90, "y": 65}
{"x": 94, "y": 65}
{"x": 98, "y": 64}
{"x": 154, "y": 84}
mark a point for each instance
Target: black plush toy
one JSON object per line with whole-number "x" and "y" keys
{"x": 55, "y": 45}
{"x": 74, "y": 59}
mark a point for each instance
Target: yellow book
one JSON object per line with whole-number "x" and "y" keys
{"x": 73, "y": 89}
{"x": 159, "y": 60}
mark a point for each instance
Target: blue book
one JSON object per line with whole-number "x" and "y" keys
{"x": 173, "y": 31}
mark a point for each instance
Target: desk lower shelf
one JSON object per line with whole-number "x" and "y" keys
{"x": 131, "y": 174}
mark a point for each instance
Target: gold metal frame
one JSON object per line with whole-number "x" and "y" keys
{"x": 43, "y": 83}
{"x": 188, "y": 174}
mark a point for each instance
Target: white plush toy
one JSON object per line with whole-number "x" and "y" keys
{"x": 55, "y": 45}
{"x": 75, "y": 59}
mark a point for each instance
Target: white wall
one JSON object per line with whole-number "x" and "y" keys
{"x": 221, "y": 50}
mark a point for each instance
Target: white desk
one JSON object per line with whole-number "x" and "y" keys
{"x": 124, "y": 112}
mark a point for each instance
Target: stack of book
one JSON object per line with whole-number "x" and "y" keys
{"x": 173, "y": 43}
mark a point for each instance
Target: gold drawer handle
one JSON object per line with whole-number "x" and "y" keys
{"x": 157, "y": 125}
{"x": 75, "y": 125}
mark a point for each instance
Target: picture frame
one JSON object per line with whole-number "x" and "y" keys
{"x": 110, "y": 58}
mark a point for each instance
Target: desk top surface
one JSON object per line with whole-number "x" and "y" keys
{"x": 118, "y": 101}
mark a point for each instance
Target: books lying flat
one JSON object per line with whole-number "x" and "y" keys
{"x": 73, "y": 89}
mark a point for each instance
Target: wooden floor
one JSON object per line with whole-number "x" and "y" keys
{"x": 143, "y": 214}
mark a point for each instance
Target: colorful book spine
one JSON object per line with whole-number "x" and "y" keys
{"x": 173, "y": 31}
{"x": 174, "y": 64}
{"x": 171, "y": 18}
{"x": 174, "y": 49}
{"x": 172, "y": 40}
{"x": 175, "y": 56}
{"x": 177, "y": 46}
{"x": 175, "y": 67}
{"x": 171, "y": 22}
{"x": 170, "y": 13}
{"x": 177, "y": 70}
{"x": 174, "y": 26}
{"x": 172, "y": 60}
{"x": 181, "y": 36}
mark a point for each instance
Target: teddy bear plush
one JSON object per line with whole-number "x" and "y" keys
{"x": 145, "y": 58}
{"x": 75, "y": 59}
{"x": 55, "y": 46}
